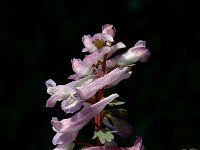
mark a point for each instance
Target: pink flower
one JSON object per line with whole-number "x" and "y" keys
{"x": 99, "y": 40}
{"x": 134, "y": 54}
{"x": 85, "y": 67}
{"x": 67, "y": 129}
{"x": 59, "y": 92}
{"x": 71, "y": 102}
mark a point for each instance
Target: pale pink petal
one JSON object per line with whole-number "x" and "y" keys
{"x": 140, "y": 43}
{"x": 81, "y": 68}
{"x": 89, "y": 46}
{"x": 64, "y": 141}
{"x": 71, "y": 105}
{"x": 109, "y": 29}
{"x": 88, "y": 90}
{"x": 81, "y": 118}
{"x": 116, "y": 47}
{"x": 126, "y": 75}
{"x": 134, "y": 54}
{"x": 95, "y": 56}
{"x": 52, "y": 100}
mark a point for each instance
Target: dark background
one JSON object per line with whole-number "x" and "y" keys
{"x": 39, "y": 38}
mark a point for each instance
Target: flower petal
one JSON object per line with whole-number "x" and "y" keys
{"x": 81, "y": 118}
{"x": 71, "y": 105}
{"x": 134, "y": 54}
{"x": 126, "y": 75}
{"x": 60, "y": 92}
{"x": 116, "y": 47}
{"x": 50, "y": 83}
{"x": 81, "y": 68}
{"x": 95, "y": 56}
{"x": 88, "y": 90}
{"x": 52, "y": 100}
{"x": 109, "y": 29}
{"x": 103, "y": 36}
{"x": 89, "y": 46}
{"x": 64, "y": 140}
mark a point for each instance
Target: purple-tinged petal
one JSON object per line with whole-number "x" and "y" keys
{"x": 64, "y": 141}
{"x": 126, "y": 75}
{"x": 116, "y": 47}
{"x": 109, "y": 29}
{"x": 52, "y": 100}
{"x": 51, "y": 87}
{"x": 141, "y": 43}
{"x": 138, "y": 144}
{"x": 71, "y": 105}
{"x": 50, "y": 83}
{"x": 74, "y": 77}
{"x": 65, "y": 146}
{"x": 134, "y": 54}
{"x": 88, "y": 90}
{"x": 81, "y": 118}
{"x": 84, "y": 68}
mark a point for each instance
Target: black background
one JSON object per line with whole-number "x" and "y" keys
{"x": 39, "y": 39}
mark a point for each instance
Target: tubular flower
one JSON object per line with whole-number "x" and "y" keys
{"x": 71, "y": 100}
{"x": 92, "y": 44}
{"x": 67, "y": 129}
{"x": 134, "y": 54}
{"x": 88, "y": 90}
{"x": 85, "y": 67}
{"x": 99, "y": 40}
{"x": 59, "y": 92}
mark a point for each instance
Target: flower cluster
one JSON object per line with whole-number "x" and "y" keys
{"x": 84, "y": 97}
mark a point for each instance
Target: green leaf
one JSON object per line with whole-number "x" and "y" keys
{"x": 103, "y": 136}
{"x": 116, "y": 102}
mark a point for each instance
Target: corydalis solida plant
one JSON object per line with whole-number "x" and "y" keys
{"x": 84, "y": 96}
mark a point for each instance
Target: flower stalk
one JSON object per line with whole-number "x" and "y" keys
{"x": 98, "y": 119}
